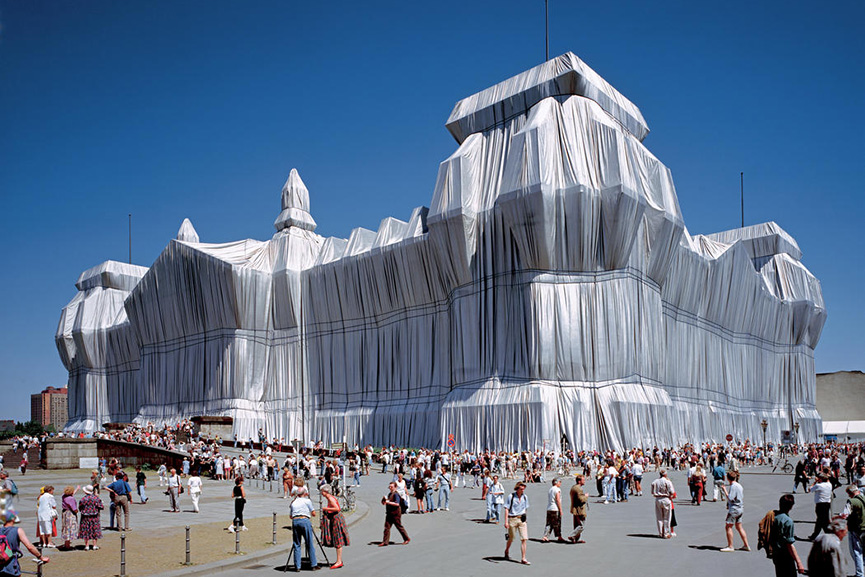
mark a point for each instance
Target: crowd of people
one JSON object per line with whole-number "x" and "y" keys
{"x": 422, "y": 481}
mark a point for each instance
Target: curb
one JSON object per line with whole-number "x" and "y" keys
{"x": 237, "y": 562}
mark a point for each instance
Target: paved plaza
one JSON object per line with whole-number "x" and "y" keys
{"x": 621, "y": 538}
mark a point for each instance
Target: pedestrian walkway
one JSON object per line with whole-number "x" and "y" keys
{"x": 157, "y": 541}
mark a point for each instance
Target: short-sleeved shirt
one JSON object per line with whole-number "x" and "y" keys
{"x": 301, "y": 507}
{"x": 140, "y": 479}
{"x": 735, "y": 499}
{"x": 782, "y": 533}
{"x": 120, "y": 487}
{"x": 822, "y": 492}
{"x": 551, "y": 498}
{"x": 517, "y": 505}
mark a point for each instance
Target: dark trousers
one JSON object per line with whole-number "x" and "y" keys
{"x": 393, "y": 518}
{"x": 784, "y": 565}
{"x": 238, "y": 512}
{"x": 822, "y": 510}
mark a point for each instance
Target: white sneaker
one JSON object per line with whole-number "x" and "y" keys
{"x": 727, "y": 550}
{"x": 231, "y": 528}
{"x": 244, "y": 528}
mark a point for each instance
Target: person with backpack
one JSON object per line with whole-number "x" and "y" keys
{"x": 394, "y": 505}
{"x": 854, "y": 513}
{"x": 11, "y": 540}
{"x": 516, "y": 509}
{"x": 8, "y": 485}
{"x": 443, "y": 485}
{"x": 779, "y": 544}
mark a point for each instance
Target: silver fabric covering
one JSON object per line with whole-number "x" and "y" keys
{"x": 551, "y": 289}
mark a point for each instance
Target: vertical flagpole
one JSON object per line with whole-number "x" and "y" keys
{"x": 130, "y": 238}
{"x": 547, "y": 29}
{"x": 742, "y": 195}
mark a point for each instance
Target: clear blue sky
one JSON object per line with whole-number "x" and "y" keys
{"x": 200, "y": 109}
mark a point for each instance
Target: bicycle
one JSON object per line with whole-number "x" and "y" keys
{"x": 787, "y": 466}
{"x": 346, "y": 496}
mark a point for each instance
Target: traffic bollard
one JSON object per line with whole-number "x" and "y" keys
{"x": 270, "y": 485}
{"x": 188, "y": 562}
{"x": 123, "y": 555}
{"x": 274, "y": 528}
{"x": 236, "y": 539}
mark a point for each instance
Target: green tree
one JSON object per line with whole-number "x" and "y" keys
{"x": 32, "y": 428}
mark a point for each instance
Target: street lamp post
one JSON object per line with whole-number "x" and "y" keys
{"x": 764, "y": 424}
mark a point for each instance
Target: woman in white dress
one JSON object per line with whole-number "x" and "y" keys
{"x": 194, "y": 485}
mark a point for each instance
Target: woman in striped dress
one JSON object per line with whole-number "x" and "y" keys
{"x": 334, "y": 532}
{"x": 70, "y": 517}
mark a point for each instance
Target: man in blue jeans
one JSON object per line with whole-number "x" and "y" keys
{"x": 443, "y": 482}
{"x": 302, "y": 510}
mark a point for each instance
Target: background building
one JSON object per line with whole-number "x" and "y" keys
{"x": 841, "y": 404}
{"x": 50, "y": 407}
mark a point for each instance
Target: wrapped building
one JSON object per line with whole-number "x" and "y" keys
{"x": 551, "y": 290}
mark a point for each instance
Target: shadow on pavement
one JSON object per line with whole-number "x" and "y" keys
{"x": 498, "y": 559}
{"x": 705, "y": 547}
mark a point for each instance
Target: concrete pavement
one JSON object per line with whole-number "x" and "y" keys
{"x": 621, "y": 538}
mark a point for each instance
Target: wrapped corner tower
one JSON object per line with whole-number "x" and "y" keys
{"x": 550, "y": 291}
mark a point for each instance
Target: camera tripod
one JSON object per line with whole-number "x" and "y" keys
{"x": 309, "y": 545}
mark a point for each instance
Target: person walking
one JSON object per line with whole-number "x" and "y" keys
{"x": 429, "y": 489}
{"x": 781, "y": 540}
{"x": 69, "y": 516}
{"x": 16, "y": 538}
{"x": 174, "y": 485}
{"x": 194, "y": 485}
{"x": 334, "y": 531}
{"x": 579, "y": 508}
{"x": 443, "y": 483}
{"x": 801, "y": 476}
{"x": 822, "y": 491}
{"x": 393, "y": 515}
{"x": 121, "y": 492}
{"x": 516, "y": 510}
{"x": 735, "y": 509}
{"x": 553, "y": 525}
{"x": 287, "y": 480}
{"x": 718, "y": 475}
{"x": 141, "y": 485}
{"x": 238, "y": 493}
{"x": 301, "y": 511}
{"x": 854, "y": 513}
{"x": 496, "y": 497}
{"x": 662, "y": 490}
{"x": 699, "y": 480}
{"x": 89, "y": 525}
